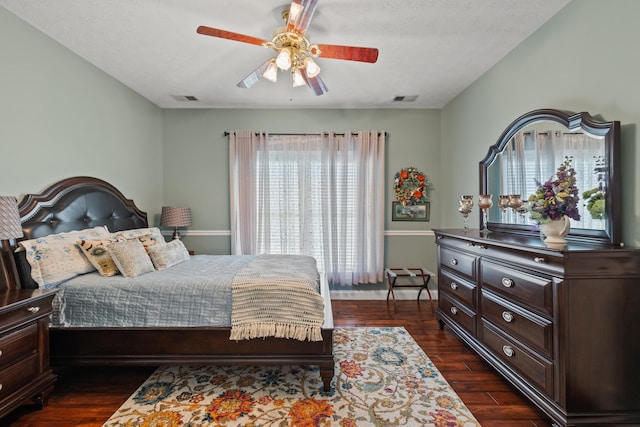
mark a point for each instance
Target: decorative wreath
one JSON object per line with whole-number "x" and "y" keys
{"x": 411, "y": 186}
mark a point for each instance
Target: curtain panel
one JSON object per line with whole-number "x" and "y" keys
{"x": 319, "y": 195}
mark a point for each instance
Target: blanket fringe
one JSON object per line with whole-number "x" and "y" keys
{"x": 278, "y": 330}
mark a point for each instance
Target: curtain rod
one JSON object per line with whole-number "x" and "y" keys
{"x": 227, "y": 133}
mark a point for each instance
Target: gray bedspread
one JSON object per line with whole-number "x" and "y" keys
{"x": 196, "y": 292}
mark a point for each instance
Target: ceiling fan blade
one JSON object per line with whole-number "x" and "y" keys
{"x": 315, "y": 83}
{"x": 215, "y": 32}
{"x": 350, "y": 53}
{"x": 256, "y": 75}
{"x": 300, "y": 14}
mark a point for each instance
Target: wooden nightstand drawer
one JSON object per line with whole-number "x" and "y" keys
{"x": 24, "y": 313}
{"x": 18, "y": 345}
{"x": 16, "y": 376}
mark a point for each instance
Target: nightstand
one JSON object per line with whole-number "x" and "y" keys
{"x": 25, "y": 374}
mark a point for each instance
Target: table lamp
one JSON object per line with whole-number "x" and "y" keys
{"x": 175, "y": 217}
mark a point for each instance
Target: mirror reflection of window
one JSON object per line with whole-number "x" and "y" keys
{"x": 535, "y": 154}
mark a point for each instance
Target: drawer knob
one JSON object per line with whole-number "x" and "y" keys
{"x": 454, "y": 311}
{"x": 507, "y": 316}
{"x": 454, "y": 285}
{"x": 454, "y": 261}
{"x": 508, "y": 350}
{"x": 506, "y": 282}
{"x": 34, "y": 309}
{"x": 538, "y": 260}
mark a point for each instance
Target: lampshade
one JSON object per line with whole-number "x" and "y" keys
{"x": 10, "y": 226}
{"x": 283, "y": 60}
{"x": 298, "y": 80}
{"x": 175, "y": 217}
{"x": 312, "y": 68}
{"x": 271, "y": 73}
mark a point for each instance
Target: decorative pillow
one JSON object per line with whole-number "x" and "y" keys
{"x": 97, "y": 253}
{"x": 130, "y": 257}
{"x": 147, "y": 241}
{"x": 169, "y": 254}
{"x": 155, "y": 233}
{"x": 58, "y": 257}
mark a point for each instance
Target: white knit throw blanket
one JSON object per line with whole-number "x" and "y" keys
{"x": 277, "y": 296}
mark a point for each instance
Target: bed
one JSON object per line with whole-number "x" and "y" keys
{"x": 86, "y": 203}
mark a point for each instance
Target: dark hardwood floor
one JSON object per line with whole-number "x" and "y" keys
{"x": 86, "y": 397}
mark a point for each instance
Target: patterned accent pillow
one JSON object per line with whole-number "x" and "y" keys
{"x": 169, "y": 254}
{"x": 58, "y": 257}
{"x": 130, "y": 257}
{"x": 155, "y": 233}
{"x": 147, "y": 241}
{"x": 97, "y": 253}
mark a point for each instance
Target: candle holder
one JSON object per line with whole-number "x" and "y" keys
{"x": 466, "y": 206}
{"x": 503, "y": 204}
{"x": 484, "y": 203}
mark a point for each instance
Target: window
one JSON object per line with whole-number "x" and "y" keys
{"x": 317, "y": 195}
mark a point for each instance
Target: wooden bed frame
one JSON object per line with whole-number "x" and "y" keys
{"x": 85, "y": 202}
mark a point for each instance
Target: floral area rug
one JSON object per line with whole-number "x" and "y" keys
{"x": 383, "y": 378}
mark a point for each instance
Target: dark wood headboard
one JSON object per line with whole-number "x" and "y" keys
{"x": 74, "y": 204}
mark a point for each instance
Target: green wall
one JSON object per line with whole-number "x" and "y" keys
{"x": 60, "y": 117}
{"x": 584, "y": 59}
{"x": 196, "y": 167}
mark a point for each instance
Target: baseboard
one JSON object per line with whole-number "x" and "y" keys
{"x": 381, "y": 294}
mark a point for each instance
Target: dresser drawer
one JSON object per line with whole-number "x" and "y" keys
{"x": 18, "y": 345}
{"x": 533, "y": 367}
{"x": 534, "y": 291}
{"x": 461, "y": 289}
{"x": 459, "y": 262}
{"x": 25, "y": 313}
{"x": 458, "y": 313}
{"x": 16, "y": 376}
{"x": 532, "y": 329}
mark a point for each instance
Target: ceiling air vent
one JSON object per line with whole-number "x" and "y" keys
{"x": 184, "y": 98}
{"x": 405, "y": 98}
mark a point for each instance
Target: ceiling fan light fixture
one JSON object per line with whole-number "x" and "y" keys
{"x": 284, "y": 59}
{"x": 298, "y": 80}
{"x": 311, "y": 67}
{"x": 271, "y": 73}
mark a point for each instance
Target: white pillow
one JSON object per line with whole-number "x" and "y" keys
{"x": 169, "y": 254}
{"x": 155, "y": 233}
{"x": 130, "y": 257}
{"x": 58, "y": 257}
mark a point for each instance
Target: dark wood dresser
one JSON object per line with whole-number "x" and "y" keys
{"x": 25, "y": 375}
{"x": 563, "y": 326}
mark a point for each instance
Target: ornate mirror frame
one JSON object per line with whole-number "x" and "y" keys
{"x": 610, "y": 134}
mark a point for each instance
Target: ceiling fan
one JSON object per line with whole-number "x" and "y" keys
{"x": 294, "y": 51}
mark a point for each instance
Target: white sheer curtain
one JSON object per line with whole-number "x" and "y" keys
{"x": 320, "y": 195}
{"x": 537, "y": 154}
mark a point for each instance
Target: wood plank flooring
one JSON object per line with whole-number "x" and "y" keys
{"x": 87, "y": 396}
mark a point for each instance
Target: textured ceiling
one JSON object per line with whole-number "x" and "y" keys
{"x": 430, "y": 48}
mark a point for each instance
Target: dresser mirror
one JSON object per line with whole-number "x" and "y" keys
{"x": 532, "y": 148}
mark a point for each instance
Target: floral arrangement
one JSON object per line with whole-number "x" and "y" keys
{"x": 556, "y": 198}
{"x": 411, "y": 186}
{"x": 594, "y": 201}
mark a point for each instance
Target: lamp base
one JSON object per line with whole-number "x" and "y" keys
{"x": 9, "y": 276}
{"x": 176, "y": 235}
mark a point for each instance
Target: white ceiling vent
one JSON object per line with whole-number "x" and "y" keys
{"x": 405, "y": 98}
{"x": 184, "y": 98}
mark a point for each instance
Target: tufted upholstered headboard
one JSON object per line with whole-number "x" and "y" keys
{"x": 74, "y": 204}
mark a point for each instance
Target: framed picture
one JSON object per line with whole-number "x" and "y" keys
{"x": 417, "y": 212}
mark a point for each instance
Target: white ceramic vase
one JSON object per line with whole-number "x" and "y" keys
{"x": 555, "y": 231}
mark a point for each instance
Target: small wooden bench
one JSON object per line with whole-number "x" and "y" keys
{"x": 418, "y": 278}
